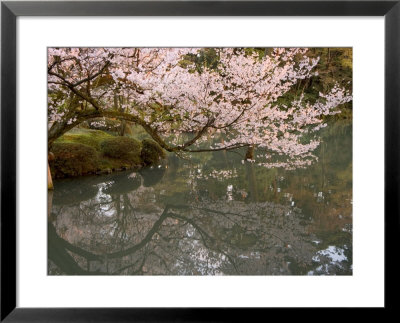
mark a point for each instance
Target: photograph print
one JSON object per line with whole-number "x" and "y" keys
{"x": 199, "y": 161}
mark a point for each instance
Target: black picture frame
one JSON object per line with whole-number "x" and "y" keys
{"x": 10, "y": 10}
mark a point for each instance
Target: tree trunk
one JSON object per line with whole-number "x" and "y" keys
{"x": 249, "y": 153}
{"x": 121, "y": 109}
{"x": 49, "y": 179}
{"x": 122, "y": 128}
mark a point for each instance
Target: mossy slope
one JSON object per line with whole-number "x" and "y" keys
{"x": 87, "y": 151}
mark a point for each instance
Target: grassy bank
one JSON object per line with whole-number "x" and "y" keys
{"x": 86, "y": 151}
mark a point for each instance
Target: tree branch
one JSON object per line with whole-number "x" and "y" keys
{"x": 218, "y": 149}
{"x": 89, "y": 78}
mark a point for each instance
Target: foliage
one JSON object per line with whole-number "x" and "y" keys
{"x": 151, "y": 153}
{"x": 73, "y": 159}
{"x": 122, "y": 148}
{"x": 335, "y": 66}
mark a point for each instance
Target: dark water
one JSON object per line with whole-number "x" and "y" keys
{"x": 212, "y": 215}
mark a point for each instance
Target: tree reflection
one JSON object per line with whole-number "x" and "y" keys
{"x": 122, "y": 234}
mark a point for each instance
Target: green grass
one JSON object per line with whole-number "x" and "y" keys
{"x": 89, "y": 137}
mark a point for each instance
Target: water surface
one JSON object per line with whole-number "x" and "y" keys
{"x": 211, "y": 215}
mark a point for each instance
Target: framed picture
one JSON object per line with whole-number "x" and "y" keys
{"x": 188, "y": 140}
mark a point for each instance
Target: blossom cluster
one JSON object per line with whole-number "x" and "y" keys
{"x": 237, "y": 101}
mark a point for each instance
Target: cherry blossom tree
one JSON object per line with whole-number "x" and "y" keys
{"x": 185, "y": 109}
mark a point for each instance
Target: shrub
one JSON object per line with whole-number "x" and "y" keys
{"x": 73, "y": 159}
{"x": 151, "y": 152}
{"x": 124, "y": 148}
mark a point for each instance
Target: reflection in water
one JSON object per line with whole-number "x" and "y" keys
{"x": 213, "y": 215}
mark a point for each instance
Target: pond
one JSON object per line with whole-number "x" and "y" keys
{"x": 212, "y": 214}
